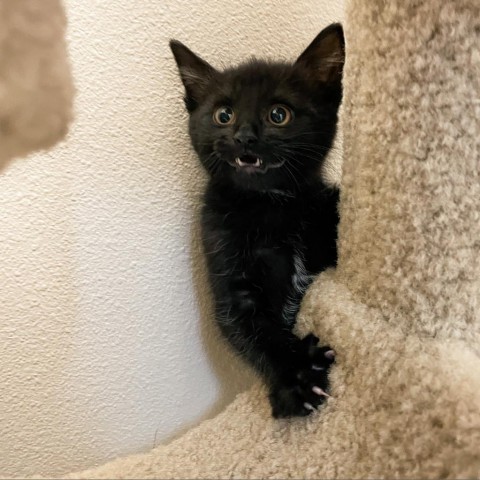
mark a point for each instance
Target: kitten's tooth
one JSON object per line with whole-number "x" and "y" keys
{"x": 238, "y": 161}
{"x": 308, "y": 406}
{"x": 257, "y": 162}
{"x": 320, "y": 392}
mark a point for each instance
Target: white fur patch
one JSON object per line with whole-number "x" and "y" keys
{"x": 300, "y": 278}
{"x": 300, "y": 282}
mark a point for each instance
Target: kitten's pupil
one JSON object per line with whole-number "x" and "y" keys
{"x": 223, "y": 115}
{"x": 280, "y": 115}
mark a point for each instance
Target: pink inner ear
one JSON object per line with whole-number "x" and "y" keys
{"x": 328, "y": 59}
{"x": 330, "y": 67}
{"x": 192, "y": 77}
{"x": 324, "y": 57}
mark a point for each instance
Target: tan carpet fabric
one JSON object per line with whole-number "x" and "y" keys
{"x": 403, "y": 308}
{"x": 35, "y": 84}
{"x": 412, "y": 167}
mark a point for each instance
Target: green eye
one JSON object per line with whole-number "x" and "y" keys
{"x": 280, "y": 115}
{"x": 224, "y": 116}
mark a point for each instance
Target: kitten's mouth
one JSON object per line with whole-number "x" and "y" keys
{"x": 249, "y": 162}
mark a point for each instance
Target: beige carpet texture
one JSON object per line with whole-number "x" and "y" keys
{"x": 402, "y": 309}
{"x": 36, "y": 89}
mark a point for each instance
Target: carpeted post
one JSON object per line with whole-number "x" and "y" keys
{"x": 410, "y": 228}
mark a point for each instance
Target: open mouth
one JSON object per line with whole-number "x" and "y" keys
{"x": 249, "y": 162}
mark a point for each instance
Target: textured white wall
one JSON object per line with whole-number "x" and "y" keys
{"x": 106, "y": 344}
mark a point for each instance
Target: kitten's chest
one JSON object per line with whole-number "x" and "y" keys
{"x": 260, "y": 241}
{"x": 263, "y": 248}
{"x": 262, "y": 226}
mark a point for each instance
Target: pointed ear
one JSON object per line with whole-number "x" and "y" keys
{"x": 194, "y": 72}
{"x": 324, "y": 58}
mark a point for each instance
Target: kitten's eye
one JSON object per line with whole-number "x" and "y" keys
{"x": 280, "y": 115}
{"x": 224, "y": 116}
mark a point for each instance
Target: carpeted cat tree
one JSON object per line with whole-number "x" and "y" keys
{"x": 403, "y": 307}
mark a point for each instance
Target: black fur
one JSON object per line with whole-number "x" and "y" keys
{"x": 269, "y": 221}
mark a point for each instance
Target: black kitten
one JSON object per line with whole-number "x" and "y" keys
{"x": 269, "y": 222}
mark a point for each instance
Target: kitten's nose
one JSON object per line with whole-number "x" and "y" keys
{"x": 245, "y": 135}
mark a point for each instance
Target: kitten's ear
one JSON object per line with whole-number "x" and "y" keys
{"x": 324, "y": 58}
{"x": 194, "y": 72}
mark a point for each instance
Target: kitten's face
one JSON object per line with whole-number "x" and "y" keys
{"x": 265, "y": 126}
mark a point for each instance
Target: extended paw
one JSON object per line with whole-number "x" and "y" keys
{"x": 305, "y": 387}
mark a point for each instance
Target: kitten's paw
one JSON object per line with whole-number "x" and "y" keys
{"x": 305, "y": 388}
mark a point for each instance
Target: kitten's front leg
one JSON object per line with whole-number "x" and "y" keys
{"x": 296, "y": 370}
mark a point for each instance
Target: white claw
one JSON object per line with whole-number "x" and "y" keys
{"x": 330, "y": 354}
{"x": 309, "y": 406}
{"x": 317, "y": 367}
{"x": 320, "y": 392}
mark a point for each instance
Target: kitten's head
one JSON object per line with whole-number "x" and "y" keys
{"x": 264, "y": 125}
